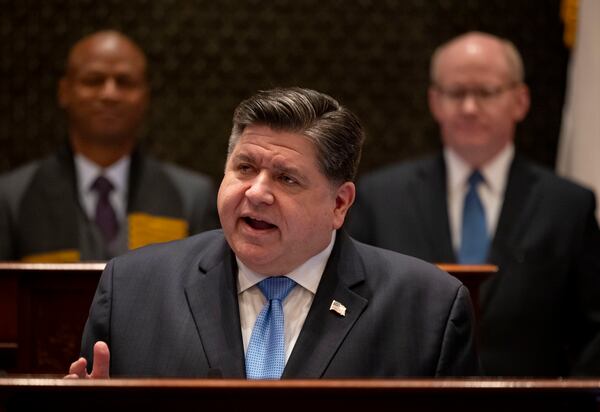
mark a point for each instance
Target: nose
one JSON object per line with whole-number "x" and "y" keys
{"x": 260, "y": 190}
{"x": 110, "y": 89}
{"x": 469, "y": 104}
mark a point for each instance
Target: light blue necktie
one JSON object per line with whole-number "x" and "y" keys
{"x": 265, "y": 357}
{"x": 475, "y": 241}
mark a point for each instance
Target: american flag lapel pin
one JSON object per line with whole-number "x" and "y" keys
{"x": 338, "y": 308}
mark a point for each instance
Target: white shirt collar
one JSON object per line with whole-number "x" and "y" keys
{"x": 118, "y": 173}
{"x": 308, "y": 275}
{"x": 88, "y": 171}
{"x": 494, "y": 172}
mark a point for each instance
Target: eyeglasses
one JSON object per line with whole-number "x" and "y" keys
{"x": 481, "y": 95}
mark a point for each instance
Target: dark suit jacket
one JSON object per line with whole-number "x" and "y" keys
{"x": 40, "y": 211}
{"x": 172, "y": 310}
{"x": 541, "y": 312}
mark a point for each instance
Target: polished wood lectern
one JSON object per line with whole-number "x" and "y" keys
{"x": 410, "y": 395}
{"x": 43, "y": 308}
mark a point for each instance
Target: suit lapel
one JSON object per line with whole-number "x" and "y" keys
{"x": 324, "y": 330}
{"x": 430, "y": 194}
{"x": 212, "y": 299}
{"x": 150, "y": 189}
{"x": 53, "y": 225}
{"x": 518, "y": 207}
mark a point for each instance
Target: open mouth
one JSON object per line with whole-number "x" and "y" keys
{"x": 258, "y": 224}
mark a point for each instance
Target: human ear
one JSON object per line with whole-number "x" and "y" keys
{"x": 345, "y": 195}
{"x": 522, "y": 102}
{"x": 433, "y": 98}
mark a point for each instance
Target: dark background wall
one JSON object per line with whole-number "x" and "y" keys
{"x": 207, "y": 55}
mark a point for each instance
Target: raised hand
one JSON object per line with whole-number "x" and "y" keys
{"x": 101, "y": 367}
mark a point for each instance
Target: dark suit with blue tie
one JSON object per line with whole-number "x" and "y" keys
{"x": 172, "y": 310}
{"x": 541, "y": 312}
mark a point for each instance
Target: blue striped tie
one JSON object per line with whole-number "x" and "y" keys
{"x": 265, "y": 357}
{"x": 475, "y": 241}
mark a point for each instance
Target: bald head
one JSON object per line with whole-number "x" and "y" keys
{"x": 106, "y": 41}
{"x": 474, "y": 43}
{"x": 105, "y": 95}
{"x": 477, "y": 95}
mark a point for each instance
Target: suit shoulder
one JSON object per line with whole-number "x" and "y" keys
{"x": 14, "y": 184}
{"x": 20, "y": 175}
{"x": 561, "y": 187}
{"x": 402, "y": 172}
{"x": 151, "y": 166}
{"x": 186, "y": 177}
{"x": 204, "y": 249}
{"x": 191, "y": 195}
{"x": 398, "y": 267}
{"x": 196, "y": 189}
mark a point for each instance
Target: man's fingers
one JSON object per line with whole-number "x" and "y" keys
{"x": 77, "y": 369}
{"x": 101, "y": 364}
{"x": 101, "y": 368}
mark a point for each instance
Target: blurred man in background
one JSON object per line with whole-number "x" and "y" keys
{"x": 480, "y": 202}
{"x": 99, "y": 195}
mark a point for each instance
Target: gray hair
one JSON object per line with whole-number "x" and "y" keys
{"x": 511, "y": 54}
{"x": 335, "y": 131}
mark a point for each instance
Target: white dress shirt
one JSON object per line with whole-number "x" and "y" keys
{"x": 295, "y": 306}
{"x": 491, "y": 191}
{"x": 118, "y": 174}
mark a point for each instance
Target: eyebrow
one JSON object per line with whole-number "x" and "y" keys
{"x": 278, "y": 166}
{"x": 243, "y": 157}
{"x": 281, "y": 168}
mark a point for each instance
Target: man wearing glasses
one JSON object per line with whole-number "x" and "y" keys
{"x": 480, "y": 202}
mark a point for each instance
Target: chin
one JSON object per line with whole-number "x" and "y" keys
{"x": 263, "y": 266}
{"x": 254, "y": 256}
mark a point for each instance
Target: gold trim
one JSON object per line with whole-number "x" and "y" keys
{"x": 59, "y": 256}
{"x": 145, "y": 229}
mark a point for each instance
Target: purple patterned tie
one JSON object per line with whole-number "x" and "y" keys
{"x": 106, "y": 219}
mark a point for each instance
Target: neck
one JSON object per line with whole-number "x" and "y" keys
{"x": 478, "y": 159}
{"x": 103, "y": 155}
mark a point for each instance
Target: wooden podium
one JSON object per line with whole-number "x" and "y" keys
{"x": 43, "y": 308}
{"x": 472, "y": 276}
{"x": 299, "y": 395}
